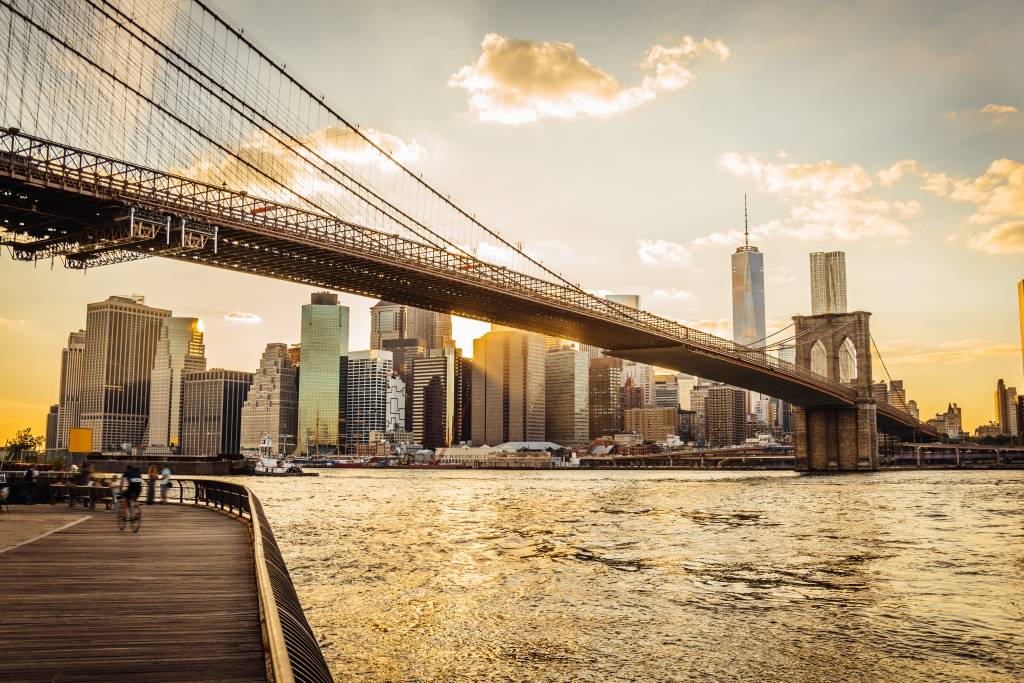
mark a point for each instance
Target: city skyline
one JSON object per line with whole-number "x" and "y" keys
{"x": 940, "y": 197}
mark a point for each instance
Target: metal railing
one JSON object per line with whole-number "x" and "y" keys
{"x": 292, "y": 650}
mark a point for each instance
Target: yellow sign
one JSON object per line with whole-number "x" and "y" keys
{"x": 79, "y": 440}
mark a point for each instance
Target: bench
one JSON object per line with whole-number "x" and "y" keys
{"x": 89, "y": 496}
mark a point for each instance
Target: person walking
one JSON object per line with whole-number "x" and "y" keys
{"x": 165, "y": 483}
{"x": 151, "y": 485}
{"x": 30, "y": 484}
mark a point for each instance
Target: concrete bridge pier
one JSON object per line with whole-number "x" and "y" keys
{"x": 836, "y": 438}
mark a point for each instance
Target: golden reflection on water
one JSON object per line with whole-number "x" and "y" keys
{"x": 657, "y": 575}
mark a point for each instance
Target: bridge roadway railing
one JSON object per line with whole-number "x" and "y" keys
{"x": 50, "y": 164}
{"x": 292, "y": 650}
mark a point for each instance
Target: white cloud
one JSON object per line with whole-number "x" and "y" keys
{"x": 654, "y": 252}
{"x": 242, "y": 317}
{"x": 1005, "y": 238}
{"x": 515, "y": 81}
{"x": 673, "y": 293}
{"x": 887, "y": 177}
{"x": 993, "y": 113}
{"x": 827, "y": 201}
{"x": 960, "y": 351}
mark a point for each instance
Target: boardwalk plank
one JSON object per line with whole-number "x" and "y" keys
{"x": 175, "y": 602}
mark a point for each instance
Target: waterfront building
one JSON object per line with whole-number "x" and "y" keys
{"x": 179, "y": 350}
{"x": 653, "y": 424}
{"x": 605, "y": 403}
{"x": 913, "y": 409}
{"x": 666, "y": 391}
{"x": 698, "y": 404}
{"x": 1006, "y": 408}
{"x": 121, "y": 335}
{"x": 880, "y": 392}
{"x": 50, "y": 442}
{"x": 403, "y": 353}
{"x": 828, "y": 282}
{"x": 464, "y": 407}
{"x": 211, "y": 416}
{"x": 508, "y": 387}
{"x": 435, "y": 397}
{"x": 397, "y": 397}
{"x": 322, "y": 359}
{"x": 270, "y": 414}
{"x": 367, "y": 403}
{"x": 949, "y": 422}
{"x": 387, "y": 322}
{"x": 897, "y": 394}
{"x": 725, "y": 411}
{"x": 991, "y": 429}
{"x": 686, "y": 384}
{"x": 567, "y": 396}
{"x": 69, "y": 402}
{"x": 641, "y": 376}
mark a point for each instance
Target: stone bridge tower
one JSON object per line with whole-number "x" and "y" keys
{"x": 832, "y": 438}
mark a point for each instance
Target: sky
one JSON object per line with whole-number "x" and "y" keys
{"x": 617, "y": 141}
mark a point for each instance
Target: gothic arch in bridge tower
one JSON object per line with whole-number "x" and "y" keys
{"x": 842, "y": 435}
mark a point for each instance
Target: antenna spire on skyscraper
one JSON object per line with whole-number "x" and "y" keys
{"x": 746, "y": 225}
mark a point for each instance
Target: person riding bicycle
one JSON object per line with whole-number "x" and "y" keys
{"x": 131, "y": 481}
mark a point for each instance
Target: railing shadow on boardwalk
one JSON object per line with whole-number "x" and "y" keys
{"x": 292, "y": 650}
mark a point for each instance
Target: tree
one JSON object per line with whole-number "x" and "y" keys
{"x": 23, "y": 441}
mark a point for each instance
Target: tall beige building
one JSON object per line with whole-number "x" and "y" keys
{"x": 387, "y": 321}
{"x": 211, "y": 421}
{"x": 828, "y": 282}
{"x": 567, "y": 396}
{"x": 435, "y": 397}
{"x": 121, "y": 336}
{"x": 69, "y": 403}
{"x": 179, "y": 350}
{"x": 653, "y": 424}
{"x": 271, "y": 409}
{"x": 434, "y": 330}
{"x": 508, "y": 387}
{"x": 1006, "y": 409}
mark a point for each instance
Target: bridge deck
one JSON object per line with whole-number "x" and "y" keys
{"x": 176, "y": 601}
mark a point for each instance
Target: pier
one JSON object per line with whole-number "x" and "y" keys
{"x": 200, "y": 593}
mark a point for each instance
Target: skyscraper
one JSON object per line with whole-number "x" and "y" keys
{"x": 508, "y": 387}
{"x": 51, "y": 428}
{"x": 434, "y": 330}
{"x": 387, "y": 321}
{"x": 366, "y": 409}
{"x": 121, "y": 336}
{"x": 726, "y": 415}
{"x": 828, "y": 282}
{"x": 179, "y": 350}
{"x": 748, "y": 326}
{"x": 1006, "y": 408}
{"x": 1020, "y": 305}
{"x": 397, "y": 392}
{"x": 653, "y": 424}
{"x": 605, "y": 400}
{"x": 567, "y": 396}
{"x": 666, "y": 391}
{"x": 435, "y": 397}
{"x": 322, "y": 353}
{"x": 898, "y": 395}
{"x": 211, "y": 419}
{"x": 270, "y": 413}
{"x": 642, "y": 377}
{"x": 69, "y": 411}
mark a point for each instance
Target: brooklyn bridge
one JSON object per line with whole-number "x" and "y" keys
{"x": 136, "y": 130}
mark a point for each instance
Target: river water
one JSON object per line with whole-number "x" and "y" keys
{"x": 658, "y": 575}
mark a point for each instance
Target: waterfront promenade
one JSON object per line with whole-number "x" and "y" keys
{"x": 201, "y": 593}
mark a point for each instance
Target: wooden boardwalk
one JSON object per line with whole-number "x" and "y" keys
{"x": 175, "y": 602}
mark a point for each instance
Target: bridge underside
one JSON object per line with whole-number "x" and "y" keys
{"x": 88, "y": 229}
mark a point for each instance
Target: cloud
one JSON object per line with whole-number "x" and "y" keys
{"x": 673, "y": 293}
{"x": 515, "y": 81}
{"x": 242, "y": 317}
{"x": 13, "y": 322}
{"x": 961, "y": 351}
{"x": 887, "y": 177}
{"x": 827, "y": 201}
{"x": 656, "y": 252}
{"x": 998, "y": 195}
{"x": 994, "y": 113}
{"x": 1005, "y": 238}
{"x": 296, "y": 166}
{"x": 720, "y": 328}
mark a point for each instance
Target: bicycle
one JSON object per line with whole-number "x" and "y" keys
{"x": 133, "y": 515}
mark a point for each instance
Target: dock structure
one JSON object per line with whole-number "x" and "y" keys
{"x": 199, "y": 594}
